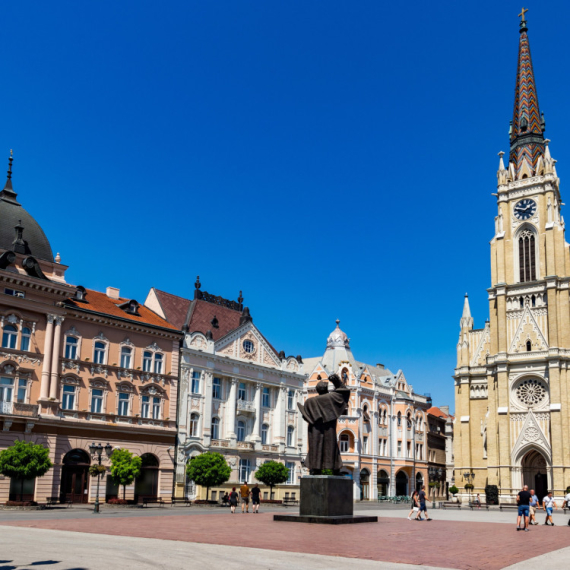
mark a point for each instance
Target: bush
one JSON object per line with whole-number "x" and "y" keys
{"x": 125, "y": 467}
{"x": 117, "y": 501}
{"x": 468, "y": 486}
{"x": 492, "y": 494}
{"x": 208, "y": 469}
{"x": 96, "y": 470}
{"x": 453, "y": 490}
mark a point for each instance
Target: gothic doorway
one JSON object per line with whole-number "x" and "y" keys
{"x": 75, "y": 477}
{"x": 401, "y": 484}
{"x": 383, "y": 483}
{"x": 534, "y": 473}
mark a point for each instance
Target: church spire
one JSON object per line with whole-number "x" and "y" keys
{"x": 527, "y": 127}
{"x": 8, "y": 193}
{"x": 466, "y": 318}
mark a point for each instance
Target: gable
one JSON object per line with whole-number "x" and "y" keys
{"x": 528, "y": 329}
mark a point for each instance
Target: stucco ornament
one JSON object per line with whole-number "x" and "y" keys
{"x": 532, "y": 434}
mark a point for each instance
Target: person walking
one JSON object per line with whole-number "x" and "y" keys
{"x": 523, "y": 501}
{"x": 478, "y": 501}
{"x": 233, "y": 500}
{"x": 549, "y": 506}
{"x": 422, "y": 499}
{"x": 255, "y": 499}
{"x": 244, "y": 492}
{"x": 415, "y": 507}
{"x": 566, "y": 502}
{"x": 532, "y": 507}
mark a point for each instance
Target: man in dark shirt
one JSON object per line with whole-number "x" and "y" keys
{"x": 255, "y": 493}
{"x": 422, "y": 497}
{"x": 523, "y": 501}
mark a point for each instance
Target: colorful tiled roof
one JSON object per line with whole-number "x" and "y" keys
{"x": 174, "y": 308}
{"x": 435, "y": 411}
{"x": 202, "y": 314}
{"x": 527, "y": 129}
{"x": 100, "y": 303}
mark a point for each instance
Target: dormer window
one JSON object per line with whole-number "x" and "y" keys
{"x": 132, "y": 308}
{"x": 79, "y": 294}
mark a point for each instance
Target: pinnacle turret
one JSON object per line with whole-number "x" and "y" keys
{"x": 466, "y": 318}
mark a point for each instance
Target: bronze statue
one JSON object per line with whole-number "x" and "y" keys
{"x": 321, "y": 413}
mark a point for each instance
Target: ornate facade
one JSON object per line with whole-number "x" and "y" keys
{"x": 238, "y": 395}
{"x": 382, "y": 436}
{"x": 78, "y": 366}
{"x": 512, "y": 378}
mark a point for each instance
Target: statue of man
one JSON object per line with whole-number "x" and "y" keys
{"x": 321, "y": 413}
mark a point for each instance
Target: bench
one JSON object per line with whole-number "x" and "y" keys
{"x": 153, "y": 501}
{"x": 51, "y": 501}
{"x": 508, "y": 506}
{"x": 474, "y": 505}
{"x": 450, "y": 505}
{"x": 290, "y": 501}
{"x": 177, "y": 500}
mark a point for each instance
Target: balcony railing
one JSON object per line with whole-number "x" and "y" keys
{"x": 274, "y": 448}
{"x": 220, "y": 443}
{"x": 245, "y": 406}
{"x": 245, "y": 445}
{"x": 19, "y": 409}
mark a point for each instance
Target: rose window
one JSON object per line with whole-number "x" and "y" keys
{"x": 531, "y": 392}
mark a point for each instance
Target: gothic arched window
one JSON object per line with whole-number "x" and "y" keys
{"x": 527, "y": 256}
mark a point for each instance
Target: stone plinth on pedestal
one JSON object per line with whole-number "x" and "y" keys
{"x": 326, "y": 499}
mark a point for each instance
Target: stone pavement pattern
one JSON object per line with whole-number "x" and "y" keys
{"x": 440, "y": 543}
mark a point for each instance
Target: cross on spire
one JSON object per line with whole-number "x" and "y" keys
{"x": 521, "y": 15}
{"x": 10, "y": 160}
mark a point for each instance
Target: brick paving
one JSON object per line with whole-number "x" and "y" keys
{"x": 448, "y": 544}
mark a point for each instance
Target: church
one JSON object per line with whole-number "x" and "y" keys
{"x": 512, "y": 378}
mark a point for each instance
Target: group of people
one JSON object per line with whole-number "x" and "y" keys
{"x": 528, "y": 504}
{"x": 245, "y": 493}
{"x": 419, "y": 499}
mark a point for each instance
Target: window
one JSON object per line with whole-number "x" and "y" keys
{"x": 194, "y": 419}
{"x": 248, "y": 346}
{"x": 99, "y": 353}
{"x": 68, "y": 400}
{"x": 266, "y": 398}
{"x": 155, "y": 408}
{"x": 399, "y": 449}
{"x": 409, "y": 445}
{"x": 14, "y": 293}
{"x": 126, "y": 354}
{"x": 6, "y": 389}
{"x": 399, "y": 419}
{"x": 157, "y": 363}
{"x": 527, "y": 261}
{"x": 9, "y": 337}
{"x": 25, "y": 339}
{"x": 365, "y": 445}
{"x": 70, "y": 347}
{"x": 290, "y": 434}
{"x": 124, "y": 404}
{"x": 215, "y": 428}
{"x": 241, "y": 391}
{"x": 344, "y": 443}
{"x": 241, "y": 431}
{"x": 145, "y": 406}
{"x": 290, "y": 399}
{"x": 217, "y": 389}
{"x": 528, "y": 346}
{"x": 22, "y": 391}
{"x": 291, "y": 478}
{"x": 264, "y": 433}
{"x": 244, "y": 470}
{"x": 96, "y": 401}
{"x": 147, "y": 361}
{"x": 196, "y": 382}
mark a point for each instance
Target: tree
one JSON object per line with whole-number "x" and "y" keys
{"x": 125, "y": 467}
{"x": 272, "y": 473}
{"x": 208, "y": 470}
{"x": 25, "y": 460}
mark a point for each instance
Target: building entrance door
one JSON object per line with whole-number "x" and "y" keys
{"x": 401, "y": 484}
{"x": 146, "y": 484}
{"x": 534, "y": 473}
{"x": 75, "y": 477}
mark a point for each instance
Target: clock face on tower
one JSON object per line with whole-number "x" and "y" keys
{"x": 525, "y": 209}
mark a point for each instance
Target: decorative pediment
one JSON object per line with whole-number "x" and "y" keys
{"x": 127, "y": 342}
{"x": 101, "y": 337}
{"x": 99, "y": 383}
{"x": 12, "y": 319}
{"x": 154, "y": 347}
{"x": 528, "y": 330}
{"x": 72, "y": 332}
{"x": 126, "y": 388}
{"x": 153, "y": 390}
{"x": 531, "y": 434}
{"x": 483, "y": 349}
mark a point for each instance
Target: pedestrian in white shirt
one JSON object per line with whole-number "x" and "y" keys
{"x": 566, "y": 503}
{"x": 549, "y": 506}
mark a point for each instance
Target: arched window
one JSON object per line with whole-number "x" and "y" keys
{"x": 528, "y": 346}
{"x": 264, "y": 433}
{"x": 70, "y": 347}
{"x": 240, "y": 430}
{"x": 290, "y": 399}
{"x": 194, "y": 418}
{"x": 25, "y": 339}
{"x": 399, "y": 419}
{"x": 99, "y": 353}
{"x": 344, "y": 443}
{"x": 126, "y": 354}
{"x": 215, "y": 428}
{"x": 527, "y": 256}
{"x": 290, "y": 434}
{"x": 409, "y": 420}
{"x": 9, "y": 337}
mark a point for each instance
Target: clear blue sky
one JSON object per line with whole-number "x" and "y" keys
{"x": 330, "y": 159}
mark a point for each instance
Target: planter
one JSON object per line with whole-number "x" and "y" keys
{"x": 21, "y": 504}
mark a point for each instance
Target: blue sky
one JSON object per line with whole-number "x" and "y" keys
{"x": 330, "y": 159}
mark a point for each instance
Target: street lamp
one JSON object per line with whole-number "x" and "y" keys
{"x": 469, "y": 475}
{"x": 96, "y": 452}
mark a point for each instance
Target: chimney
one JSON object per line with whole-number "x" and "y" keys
{"x": 112, "y": 292}
{"x": 380, "y": 366}
{"x": 444, "y": 409}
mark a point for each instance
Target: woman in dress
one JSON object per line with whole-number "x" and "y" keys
{"x": 415, "y": 505}
{"x": 233, "y": 500}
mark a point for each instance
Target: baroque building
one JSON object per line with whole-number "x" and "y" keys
{"x": 238, "y": 395}
{"x": 440, "y": 451}
{"x": 382, "y": 435}
{"x": 78, "y": 366}
{"x": 512, "y": 376}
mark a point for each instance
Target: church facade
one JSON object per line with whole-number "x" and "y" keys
{"x": 512, "y": 376}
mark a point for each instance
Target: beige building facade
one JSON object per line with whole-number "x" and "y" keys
{"x": 512, "y": 378}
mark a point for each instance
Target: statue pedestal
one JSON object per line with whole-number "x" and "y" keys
{"x": 326, "y": 499}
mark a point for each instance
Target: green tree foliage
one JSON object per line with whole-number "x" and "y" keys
{"x": 453, "y": 490}
{"x": 272, "y": 473}
{"x": 125, "y": 467}
{"x": 208, "y": 470}
{"x": 25, "y": 460}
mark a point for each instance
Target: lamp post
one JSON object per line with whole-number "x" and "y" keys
{"x": 469, "y": 475}
{"x": 96, "y": 452}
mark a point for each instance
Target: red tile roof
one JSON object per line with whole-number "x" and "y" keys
{"x": 100, "y": 303}
{"x": 175, "y": 308}
{"x": 435, "y": 411}
{"x": 202, "y": 314}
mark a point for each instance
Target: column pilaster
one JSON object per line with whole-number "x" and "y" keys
{"x": 54, "y": 376}
{"x": 48, "y": 343}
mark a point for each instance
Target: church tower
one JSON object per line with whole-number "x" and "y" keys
{"x": 512, "y": 380}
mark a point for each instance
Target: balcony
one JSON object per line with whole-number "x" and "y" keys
{"x": 245, "y": 445}
{"x": 271, "y": 448}
{"x": 245, "y": 406}
{"x": 220, "y": 443}
{"x": 19, "y": 409}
